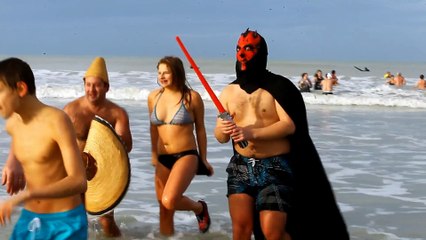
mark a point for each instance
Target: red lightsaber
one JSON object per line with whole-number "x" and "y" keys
{"x": 206, "y": 85}
{"x": 222, "y": 113}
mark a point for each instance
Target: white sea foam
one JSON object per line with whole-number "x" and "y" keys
{"x": 369, "y": 90}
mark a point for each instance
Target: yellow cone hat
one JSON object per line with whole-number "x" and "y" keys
{"x": 98, "y": 69}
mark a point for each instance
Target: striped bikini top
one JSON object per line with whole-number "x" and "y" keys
{"x": 181, "y": 117}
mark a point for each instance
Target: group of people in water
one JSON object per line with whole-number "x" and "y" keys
{"x": 399, "y": 80}
{"x": 270, "y": 179}
{"x": 326, "y": 83}
{"x": 319, "y": 82}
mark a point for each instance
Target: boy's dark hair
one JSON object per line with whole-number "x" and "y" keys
{"x": 14, "y": 70}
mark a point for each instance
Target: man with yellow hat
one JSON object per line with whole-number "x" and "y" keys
{"x": 94, "y": 103}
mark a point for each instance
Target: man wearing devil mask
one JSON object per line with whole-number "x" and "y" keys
{"x": 277, "y": 186}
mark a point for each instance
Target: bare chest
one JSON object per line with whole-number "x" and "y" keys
{"x": 252, "y": 108}
{"x": 34, "y": 145}
{"x": 83, "y": 119}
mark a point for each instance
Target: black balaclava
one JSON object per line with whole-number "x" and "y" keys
{"x": 252, "y": 57}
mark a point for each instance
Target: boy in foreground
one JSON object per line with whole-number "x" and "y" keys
{"x": 43, "y": 140}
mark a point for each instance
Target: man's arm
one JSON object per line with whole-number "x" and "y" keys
{"x": 223, "y": 127}
{"x": 13, "y": 174}
{"x": 122, "y": 128}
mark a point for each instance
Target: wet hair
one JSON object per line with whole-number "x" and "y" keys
{"x": 422, "y": 76}
{"x": 178, "y": 74}
{"x": 14, "y": 70}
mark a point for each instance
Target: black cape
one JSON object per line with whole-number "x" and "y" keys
{"x": 314, "y": 213}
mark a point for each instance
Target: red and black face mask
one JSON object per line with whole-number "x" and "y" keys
{"x": 247, "y": 47}
{"x": 250, "y": 67}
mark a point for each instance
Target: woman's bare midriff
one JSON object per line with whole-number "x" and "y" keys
{"x": 176, "y": 138}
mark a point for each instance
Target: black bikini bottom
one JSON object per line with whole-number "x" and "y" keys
{"x": 168, "y": 160}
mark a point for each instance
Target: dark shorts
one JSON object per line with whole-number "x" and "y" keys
{"x": 269, "y": 181}
{"x": 168, "y": 160}
{"x": 71, "y": 224}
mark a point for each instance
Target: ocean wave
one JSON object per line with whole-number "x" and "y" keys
{"x": 136, "y": 85}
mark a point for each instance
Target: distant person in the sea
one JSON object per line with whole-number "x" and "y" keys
{"x": 318, "y": 77}
{"x": 305, "y": 83}
{"x": 421, "y": 83}
{"x": 390, "y": 79}
{"x": 334, "y": 77}
{"x": 327, "y": 84}
{"x": 268, "y": 178}
{"x": 82, "y": 111}
{"x": 399, "y": 80}
{"x": 387, "y": 75}
{"x": 43, "y": 145}
{"x": 176, "y": 113}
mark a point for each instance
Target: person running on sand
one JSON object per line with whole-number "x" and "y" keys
{"x": 421, "y": 83}
{"x": 270, "y": 180}
{"x": 176, "y": 113}
{"x": 43, "y": 141}
{"x": 82, "y": 111}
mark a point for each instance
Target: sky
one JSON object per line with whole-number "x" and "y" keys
{"x": 295, "y": 30}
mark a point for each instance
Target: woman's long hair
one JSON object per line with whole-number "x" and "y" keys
{"x": 179, "y": 77}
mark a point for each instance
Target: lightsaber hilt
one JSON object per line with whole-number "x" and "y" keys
{"x": 226, "y": 116}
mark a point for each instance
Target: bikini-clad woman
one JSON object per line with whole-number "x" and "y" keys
{"x": 174, "y": 110}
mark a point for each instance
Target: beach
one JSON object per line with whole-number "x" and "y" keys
{"x": 370, "y": 137}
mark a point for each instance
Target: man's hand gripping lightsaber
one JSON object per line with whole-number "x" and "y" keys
{"x": 222, "y": 113}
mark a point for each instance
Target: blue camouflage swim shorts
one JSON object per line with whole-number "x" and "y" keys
{"x": 269, "y": 181}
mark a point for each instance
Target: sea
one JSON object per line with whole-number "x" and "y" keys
{"x": 370, "y": 136}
